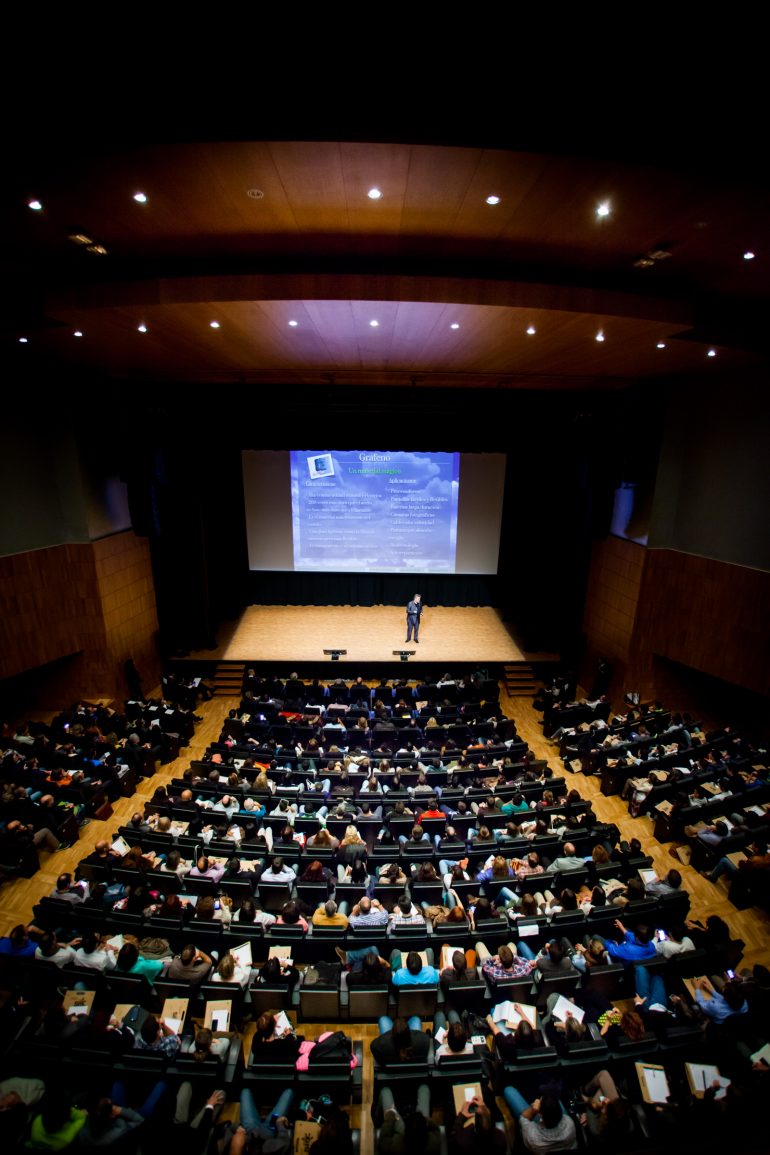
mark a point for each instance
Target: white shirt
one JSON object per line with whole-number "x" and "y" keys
{"x": 98, "y": 960}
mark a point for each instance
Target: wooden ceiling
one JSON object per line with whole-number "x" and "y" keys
{"x": 430, "y": 253}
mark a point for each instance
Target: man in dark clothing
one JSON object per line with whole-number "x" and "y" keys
{"x": 400, "y": 1041}
{"x": 413, "y": 612}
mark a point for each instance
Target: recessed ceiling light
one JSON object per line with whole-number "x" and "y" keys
{"x": 600, "y": 335}
{"x": 140, "y": 198}
{"x": 711, "y": 353}
{"x": 454, "y": 325}
{"x": 661, "y": 345}
{"x": 141, "y": 328}
{"x": 748, "y": 255}
{"x": 374, "y": 194}
{"x": 493, "y": 200}
{"x": 256, "y": 194}
{"x": 36, "y": 206}
{"x": 23, "y": 340}
{"x": 294, "y": 324}
{"x": 77, "y": 333}
{"x": 80, "y": 239}
{"x": 98, "y": 249}
{"x": 531, "y": 330}
{"x": 214, "y": 324}
{"x": 603, "y": 210}
{"x": 374, "y": 324}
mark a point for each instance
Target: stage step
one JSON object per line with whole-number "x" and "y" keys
{"x": 228, "y": 679}
{"x": 519, "y": 680}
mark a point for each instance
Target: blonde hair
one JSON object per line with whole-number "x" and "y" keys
{"x": 351, "y": 835}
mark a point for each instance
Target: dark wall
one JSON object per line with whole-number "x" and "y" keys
{"x": 713, "y": 491}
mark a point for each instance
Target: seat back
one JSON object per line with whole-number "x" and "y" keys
{"x": 417, "y": 1000}
{"x": 319, "y": 1002}
{"x": 368, "y": 1002}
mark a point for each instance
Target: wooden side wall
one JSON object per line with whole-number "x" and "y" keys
{"x": 92, "y": 603}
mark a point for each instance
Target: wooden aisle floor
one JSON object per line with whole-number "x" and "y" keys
{"x": 753, "y": 926}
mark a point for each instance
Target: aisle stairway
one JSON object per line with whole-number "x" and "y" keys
{"x": 519, "y": 679}
{"x": 228, "y": 679}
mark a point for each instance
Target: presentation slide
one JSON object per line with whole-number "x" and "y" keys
{"x": 373, "y": 512}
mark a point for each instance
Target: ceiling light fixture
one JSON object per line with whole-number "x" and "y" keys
{"x": 531, "y": 330}
{"x": 141, "y": 328}
{"x": 77, "y": 333}
{"x": 98, "y": 249}
{"x": 214, "y": 324}
{"x": 140, "y": 198}
{"x": 661, "y": 345}
{"x": 711, "y": 353}
{"x": 600, "y": 335}
{"x": 454, "y": 325}
{"x": 374, "y": 194}
{"x": 80, "y": 239}
{"x": 603, "y": 210}
{"x": 748, "y": 255}
{"x": 36, "y": 206}
{"x": 374, "y": 324}
{"x": 293, "y": 324}
{"x": 493, "y": 200}
{"x": 23, "y": 340}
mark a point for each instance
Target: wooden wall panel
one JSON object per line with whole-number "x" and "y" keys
{"x": 709, "y": 615}
{"x": 609, "y": 616}
{"x": 127, "y": 592}
{"x": 95, "y": 600}
{"x": 49, "y": 607}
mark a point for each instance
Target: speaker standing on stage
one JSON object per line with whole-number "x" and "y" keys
{"x": 413, "y": 611}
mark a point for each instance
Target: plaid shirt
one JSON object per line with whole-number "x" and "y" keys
{"x": 167, "y": 1045}
{"x": 375, "y": 917}
{"x": 496, "y": 971}
{"x": 398, "y": 919}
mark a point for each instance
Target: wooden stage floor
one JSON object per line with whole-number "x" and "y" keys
{"x": 467, "y": 634}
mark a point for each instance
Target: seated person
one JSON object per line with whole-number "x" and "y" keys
{"x": 523, "y": 1037}
{"x": 368, "y": 912}
{"x": 402, "y": 1041}
{"x": 459, "y": 971}
{"x": 554, "y": 958}
{"x": 456, "y": 1040}
{"x": 95, "y": 953}
{"x": 278, "y": 971}
{"x": 271, "y": 1046}
{"x": 230, "y": 970}
{"x": 278, "y": 871}
{"x": 49, "y": 950}
{"x": 510, "y": 962}
{"x": 291, "y": 915}
{"x": 474, "y": 1131}
{"x": 414, "y": 1132}
{"x": 327, "y": 914}
{"x": 208, "y": 1044}
{"x": 545, "y": 1126}
{"x": 368, "y": 967}
{"x": 635, "y": 946}
{"x": 405, "y": 913}
{"x": 721, "y": 1005}
{"x": 130, "y": 962}
{"x": 189, "y": 966}
{"x": 415, "y": 972}
{"x": 157, "y": 1037}
{"x": 205, "y": 869}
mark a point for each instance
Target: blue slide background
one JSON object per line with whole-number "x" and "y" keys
{"x": 373, "y": 511}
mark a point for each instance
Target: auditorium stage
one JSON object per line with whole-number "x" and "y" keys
{"x": 468, "y": 635}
